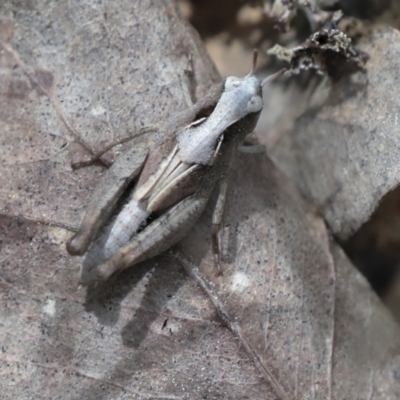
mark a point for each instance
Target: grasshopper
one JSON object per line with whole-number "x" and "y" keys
{"x": 173, "y": 182}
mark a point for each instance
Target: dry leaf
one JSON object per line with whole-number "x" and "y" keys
{"x": 311, "y": 324}
{"x": 346, "y": 156}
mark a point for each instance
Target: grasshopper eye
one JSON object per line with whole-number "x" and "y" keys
{"x": 255, "y": 104}
{"x": 232, "y": 82}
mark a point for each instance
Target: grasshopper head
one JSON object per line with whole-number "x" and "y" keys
{"x": 243, "y": 96}
{"x": 245, "y": 93}
{"x": 247, "y": 89}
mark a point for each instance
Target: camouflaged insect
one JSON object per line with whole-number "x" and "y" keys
{"x": 173, "y": 182}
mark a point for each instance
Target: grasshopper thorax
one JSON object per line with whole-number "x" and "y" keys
{"x": 198, "y": 144}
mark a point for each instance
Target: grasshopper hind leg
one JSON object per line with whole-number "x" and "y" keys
{"x": 157, "y": 237}
{"x": 106, "y": 197}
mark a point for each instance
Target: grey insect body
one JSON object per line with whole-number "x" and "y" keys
{"x": 174, "y": 182}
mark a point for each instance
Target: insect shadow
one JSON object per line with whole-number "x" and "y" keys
{"x": 104, "y": 300}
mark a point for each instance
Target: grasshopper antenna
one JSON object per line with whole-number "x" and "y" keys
{"x": 273, "y": 76}
{"x": 254, "y": 64}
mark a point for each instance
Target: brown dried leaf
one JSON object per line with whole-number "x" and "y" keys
{"x": 345, "y": 157}
{"x": 98, "y": 70}
{"x": 308, "y": 318}
{"x": 288, "y": 292}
